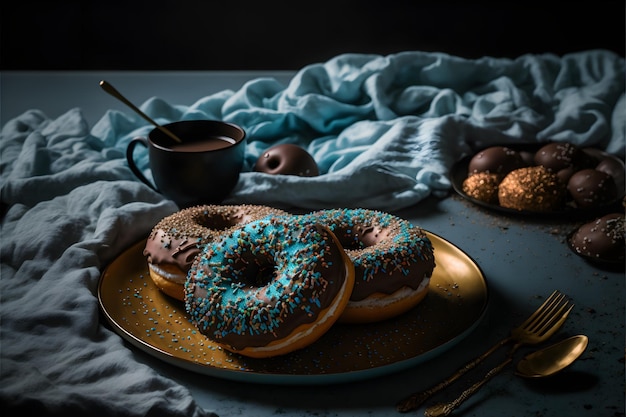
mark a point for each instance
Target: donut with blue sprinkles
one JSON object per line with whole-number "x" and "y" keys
{"x": 270, "y": 287}
{"x": 393, "y": 261}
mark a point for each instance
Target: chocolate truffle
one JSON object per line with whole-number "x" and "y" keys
{"x": 591, "y": 188}
{"x": 482, "y": 186}
{"x": 528, "y": 157}
{"x": 561, "y": 158}
{"x": 556, "y": 156}
{"x": 496, "y": 160}
{"x": 615, "y": 168}
{"x": 601, "y": 239}
{"x": 287, "y": 159}
{"x": 533, "y": 189}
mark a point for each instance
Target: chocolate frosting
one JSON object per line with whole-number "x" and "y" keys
{"x": 162, "y": 248}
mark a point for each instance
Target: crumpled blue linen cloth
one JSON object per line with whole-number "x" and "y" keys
{"x": 385, "y": 130}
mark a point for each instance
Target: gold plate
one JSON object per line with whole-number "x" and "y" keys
{"x": 159, "y": 325}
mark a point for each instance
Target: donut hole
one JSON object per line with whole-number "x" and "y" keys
{"x": 372, "y": 236}
{"x": 351, "y": 242}
{"x": 256, "y": 274}
{"x": 361, "y": 237}
{"x": 273, "y": 162}
{"x": 214, "y": 222}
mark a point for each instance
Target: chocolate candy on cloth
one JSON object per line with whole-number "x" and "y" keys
{"x": 287, "y": 159}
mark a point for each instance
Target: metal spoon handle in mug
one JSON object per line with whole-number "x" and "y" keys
{"x": 131, "y": 161}
{"x": 113, "y": 91}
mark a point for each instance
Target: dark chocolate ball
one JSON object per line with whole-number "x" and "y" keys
{"x": 563, "y": 158}
{"x": 528, "y": 157}
{"x": 602, "y": 238}
{"x": 496, "y": 160}
{"x": 590, "y": 188}
{"x": 615, "y": 168}
{"x": 287, "y": 159}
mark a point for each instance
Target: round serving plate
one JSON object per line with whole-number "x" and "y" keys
{"x": 157, "y": 324}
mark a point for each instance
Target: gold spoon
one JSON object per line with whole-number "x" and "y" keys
{"x": 111, "y": 90}
{"x": 552, "y": 359}
{"x": 541, "y": 363}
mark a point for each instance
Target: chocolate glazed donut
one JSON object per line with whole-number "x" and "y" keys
{"x": 393, "y": 261}
{"x": 177, "y": 239}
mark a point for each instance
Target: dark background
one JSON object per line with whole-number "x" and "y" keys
{"x": 286, "y": 35}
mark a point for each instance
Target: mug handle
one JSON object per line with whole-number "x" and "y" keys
{"x": 131, "y": 162}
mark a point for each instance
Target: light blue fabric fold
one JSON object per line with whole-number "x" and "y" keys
{"x": 72, "y": 208}
{"x": 384, "y": 130}
{"x": 356, "y": 113}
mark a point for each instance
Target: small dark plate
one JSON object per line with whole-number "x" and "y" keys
{"x": 458, "y": 174}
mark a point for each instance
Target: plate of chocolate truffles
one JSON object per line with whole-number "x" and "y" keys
{"x": 552, "y": 178}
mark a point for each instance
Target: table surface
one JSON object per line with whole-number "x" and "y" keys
{"x": 523, "y": 260}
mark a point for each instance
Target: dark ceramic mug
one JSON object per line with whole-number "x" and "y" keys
{"x": 202, "y": 169}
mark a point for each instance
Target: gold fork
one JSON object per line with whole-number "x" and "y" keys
{"x": 542, "y": 324}
{"x": 547, "y": 326}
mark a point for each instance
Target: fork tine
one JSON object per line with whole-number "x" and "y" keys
{"x": 540, "y": 310}
{"x": 545, "y": 313}
{"x": 555, "y": 322}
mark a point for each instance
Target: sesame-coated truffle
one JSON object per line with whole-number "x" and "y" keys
{"x": 533, "y": 189}
{"x": 482, "y": 186}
